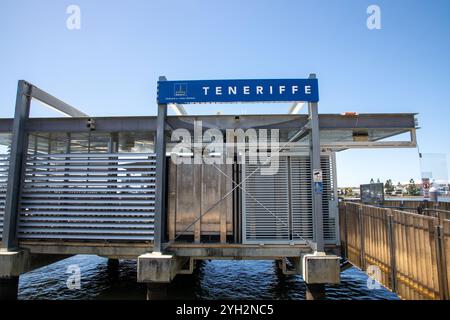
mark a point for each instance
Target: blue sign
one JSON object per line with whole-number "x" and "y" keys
{"x": 227, "y": 91}
{"x": 318, "y": 187}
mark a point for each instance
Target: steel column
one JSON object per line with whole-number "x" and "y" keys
{"x": 16, "y": 162}
{"x": 439, "y": 237}
{"x": 315, "y": 165}
{"x": 160, "y": 199}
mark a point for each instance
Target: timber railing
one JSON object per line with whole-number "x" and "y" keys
{"x": 409, "y": 251}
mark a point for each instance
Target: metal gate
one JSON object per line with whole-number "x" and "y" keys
{"x": 278, "y": 208}
{"x": 88, "y": 196}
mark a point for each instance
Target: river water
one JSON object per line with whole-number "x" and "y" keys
{"x": 212, "y": 280}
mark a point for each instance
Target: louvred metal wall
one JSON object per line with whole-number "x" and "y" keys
{"x": 278, "y": 208}
{"x": 4, "y": 165}
{"x": 88, "y": 196}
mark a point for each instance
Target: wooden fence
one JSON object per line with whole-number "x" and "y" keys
{"x": 411, "y": 252}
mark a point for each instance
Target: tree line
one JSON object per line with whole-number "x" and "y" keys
{"x": 411, "y": 189}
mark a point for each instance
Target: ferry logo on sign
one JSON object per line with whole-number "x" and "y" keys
{"x": 180, "y": 89}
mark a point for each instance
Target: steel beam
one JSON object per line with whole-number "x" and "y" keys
{"x": 54, "y": 103}
{"x": 400, "y": 122}
{"x": 125, "y": 250}
{"x": 131, "y": 250}
{"x": 296, "y": 107}
{"x": 178, "y": 109}
{"x": 315, "y": 165}
{"x": 160, "y": 196}
{"x": 17, "y": 159}
{"x": 102, "y": 124}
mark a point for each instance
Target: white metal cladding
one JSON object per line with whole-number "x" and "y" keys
{"x": 4, "y": 165}
{"x": 287, "y": 194}
{"x": 88, "y": 196}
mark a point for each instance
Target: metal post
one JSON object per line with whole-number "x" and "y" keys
{"x": 160, "y": 199}
{"x": 315, "y": 165}
{"x": 391, "y": 242}
{"x": 344, "y": 205}
{"x": 441, "y": 261}
{"x": 362, "y": 235}
{"x": 16, "y": 161}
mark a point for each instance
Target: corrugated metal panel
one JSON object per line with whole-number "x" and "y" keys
{"x": 287, "y": 194}
{"x": 88, "y": 197}
{"x": 4, "y": 165}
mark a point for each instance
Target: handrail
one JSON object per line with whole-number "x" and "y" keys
{"x": 408, "y": 249}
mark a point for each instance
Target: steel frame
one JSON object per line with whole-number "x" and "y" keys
{"x": 25, "y": 93}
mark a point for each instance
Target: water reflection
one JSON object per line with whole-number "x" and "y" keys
{"x": 220, "y": 279}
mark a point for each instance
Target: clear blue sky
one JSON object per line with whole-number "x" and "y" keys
{"x": 110, "y": 66}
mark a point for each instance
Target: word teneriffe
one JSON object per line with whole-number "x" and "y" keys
{"x": 216, "y": 91}
{"x": 232, "y": 90}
